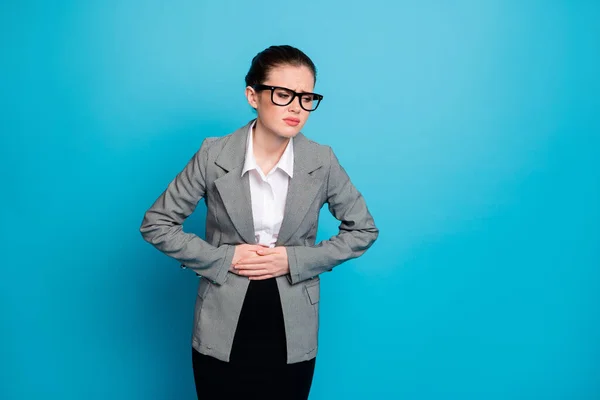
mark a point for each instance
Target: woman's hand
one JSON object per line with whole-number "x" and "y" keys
{"x": 244, "y": 251}
{"x": 267, "y": 263}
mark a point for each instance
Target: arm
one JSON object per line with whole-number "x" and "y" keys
{"x": 162, "y": 224}
{"x": 357, "y": 230}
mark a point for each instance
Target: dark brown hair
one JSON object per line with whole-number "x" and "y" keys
{"x": 276, "y": 56}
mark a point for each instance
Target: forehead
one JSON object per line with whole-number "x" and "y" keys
{"x": 299, "y": 79}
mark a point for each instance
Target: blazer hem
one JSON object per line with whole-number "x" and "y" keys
{"x": 222, "y": 356}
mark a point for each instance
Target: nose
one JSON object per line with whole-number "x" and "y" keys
{"x": 295, "y": 105}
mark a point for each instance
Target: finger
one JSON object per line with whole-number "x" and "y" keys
{"x": 245, "y": 263}
{"x": 254, "y": 272}
{"x": 250, "y": 266}
{"x": 250, "y": 253}
{"x": 254, "y": 249}
{"x": 246, "y": 256}
{"x": 266, "y": 251}
{"x": 254, "y": 260}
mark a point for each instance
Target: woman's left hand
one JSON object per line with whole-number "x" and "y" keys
{"x": 270, "y": 263}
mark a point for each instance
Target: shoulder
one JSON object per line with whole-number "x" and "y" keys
{"x": 213, "y": 145}
{"x": 210, "y": 144}
{"x": 320, "y": 154}
{"x": 315, "y": 145}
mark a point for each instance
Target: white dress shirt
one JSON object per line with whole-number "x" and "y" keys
{"x": 268, "y": 193}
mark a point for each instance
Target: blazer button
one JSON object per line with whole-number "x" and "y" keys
{"x": 183, "y": 266}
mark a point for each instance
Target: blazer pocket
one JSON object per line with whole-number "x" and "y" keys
{"x": 203, "y": 287}
{"x": 314, "y": 292}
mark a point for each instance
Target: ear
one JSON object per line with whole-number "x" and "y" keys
{"x": 252, "y": 97}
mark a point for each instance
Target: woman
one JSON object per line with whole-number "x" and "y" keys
{"x": 257, "y": 310}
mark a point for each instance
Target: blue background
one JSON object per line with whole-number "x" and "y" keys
{"x": 471, "y": 128}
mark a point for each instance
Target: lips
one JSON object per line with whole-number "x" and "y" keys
{"x": 292, "y": 121}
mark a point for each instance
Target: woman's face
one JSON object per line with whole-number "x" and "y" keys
{"x": 283, "y": 121}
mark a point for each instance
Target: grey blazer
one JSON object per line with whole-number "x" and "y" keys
{"x": 214, "y": 173}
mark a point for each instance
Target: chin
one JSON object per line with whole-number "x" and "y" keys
{"x": 289, "y": 131}
{"x": 290, "y": 134}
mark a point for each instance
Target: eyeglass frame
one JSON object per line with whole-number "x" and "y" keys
{"x": 272, "y": 88}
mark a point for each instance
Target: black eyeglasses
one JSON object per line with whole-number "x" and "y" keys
{"x": 281, "y": 96}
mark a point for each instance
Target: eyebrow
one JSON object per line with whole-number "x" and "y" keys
{"x": 266, "y": 84}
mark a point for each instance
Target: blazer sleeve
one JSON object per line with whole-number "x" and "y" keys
{"x": 162, "y": 223}
{"x": 357, "y": 230}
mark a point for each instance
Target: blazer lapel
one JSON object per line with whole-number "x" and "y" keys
{"x": 302, "y": 189}
{"x": 233, "y": 188}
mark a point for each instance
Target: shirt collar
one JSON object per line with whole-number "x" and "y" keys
{"x": 286, "y": 162}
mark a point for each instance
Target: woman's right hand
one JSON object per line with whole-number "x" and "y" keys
{"x": 244, "y": 251}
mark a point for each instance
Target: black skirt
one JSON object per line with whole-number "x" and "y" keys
{"x": 258, "y": 362}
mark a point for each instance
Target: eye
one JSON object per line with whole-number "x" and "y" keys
{"x": 282, "y": 95}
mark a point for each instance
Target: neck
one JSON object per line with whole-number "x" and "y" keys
{"x": 268, "y": 146}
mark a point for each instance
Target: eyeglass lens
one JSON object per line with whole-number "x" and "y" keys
{"x": 283, "y": 97}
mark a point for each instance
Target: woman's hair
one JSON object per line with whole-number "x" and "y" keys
{"x": 276, "y": 56}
